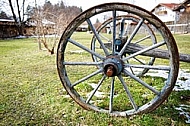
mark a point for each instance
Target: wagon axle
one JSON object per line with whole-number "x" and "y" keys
{"x": 113, "y": 66}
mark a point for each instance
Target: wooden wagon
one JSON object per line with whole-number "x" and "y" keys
{"x": 110, "y": 72}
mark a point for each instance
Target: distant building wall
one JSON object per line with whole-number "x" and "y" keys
{"x": 164, "y": 11}
{"x": 8, "y": 29}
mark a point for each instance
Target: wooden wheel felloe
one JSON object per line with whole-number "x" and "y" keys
{"x": 111, "y": 72}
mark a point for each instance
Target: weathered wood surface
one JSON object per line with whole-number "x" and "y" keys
{"x": 157, "y": 53}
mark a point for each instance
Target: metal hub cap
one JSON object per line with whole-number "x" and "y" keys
{"x": 113, "y": 66}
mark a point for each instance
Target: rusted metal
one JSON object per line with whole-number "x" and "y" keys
{"x": 113, "y": 65}
{"x": 110, "y": 71}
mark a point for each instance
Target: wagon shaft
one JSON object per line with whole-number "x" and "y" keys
{"x": 157, "y": 53}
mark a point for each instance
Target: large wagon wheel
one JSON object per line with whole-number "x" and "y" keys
{"x": 106, "y": 85}
{"x": 125, "y": 24}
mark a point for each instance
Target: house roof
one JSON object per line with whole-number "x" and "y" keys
{"x": 47, "y": 22}
{"x": 170, "y": 6}
{"x": 184, "y": 4}
{"x": 33, "y": 22}
{"x": 7, "y": 20}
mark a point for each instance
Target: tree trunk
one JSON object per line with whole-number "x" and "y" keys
{"x": 19, "y": 23}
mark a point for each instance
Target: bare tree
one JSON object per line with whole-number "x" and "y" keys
{"x": 59, "y": 17}
{"x": 12, "y": 10}
{"x": 20, "y": 20}
{"x": 44, "y": 29}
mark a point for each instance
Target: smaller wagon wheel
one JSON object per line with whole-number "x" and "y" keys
{"x": 125, "y": 24}
{"x": 105, "y": 82}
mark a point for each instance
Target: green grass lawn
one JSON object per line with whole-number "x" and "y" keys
{"x": 32, "y": 94}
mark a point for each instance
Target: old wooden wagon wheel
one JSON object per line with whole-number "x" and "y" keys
{"x": 106, "y": 83}
{"x": 125, "y": 24}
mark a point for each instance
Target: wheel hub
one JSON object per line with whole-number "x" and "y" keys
{"x": 113, "y": 66}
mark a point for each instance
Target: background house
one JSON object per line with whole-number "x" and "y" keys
{"x": 8, "y": 28}
{"x": 183, "y": 7}
{"x": 44, "y": 25}
{"x": 83, "y": 27}
{"x": 183, "y": 11}
{"x": 175, "y": 16}
{"x": 164, "y": 11}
